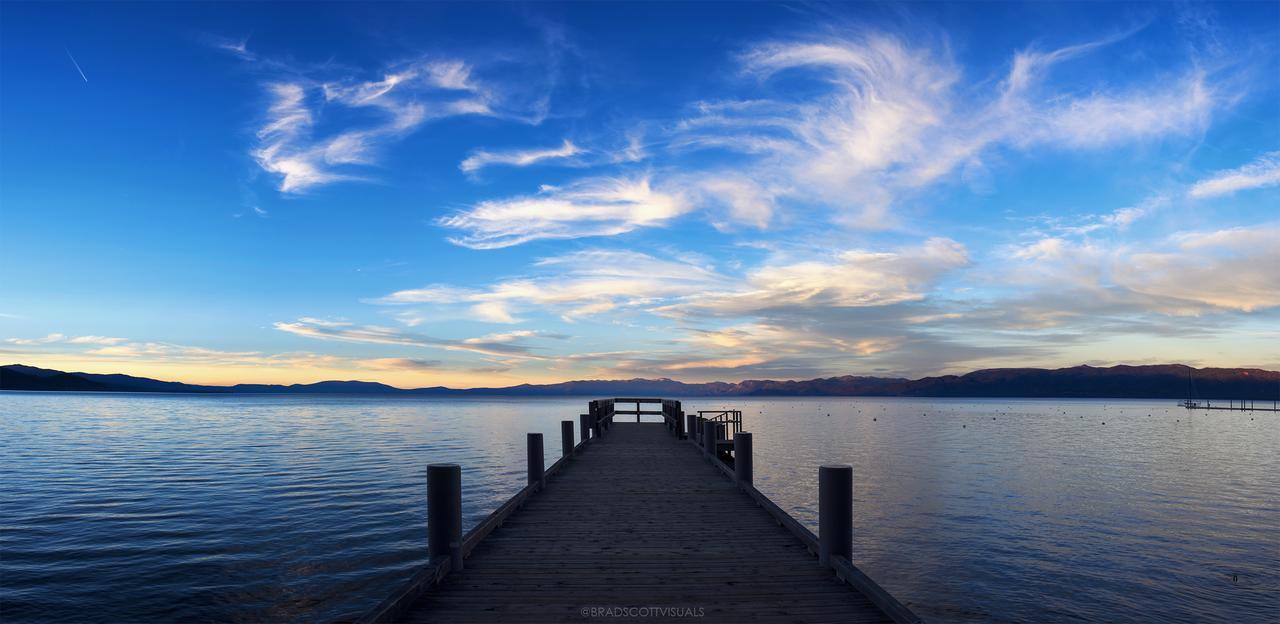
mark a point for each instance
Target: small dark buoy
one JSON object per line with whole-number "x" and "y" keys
{"x": 993, "y": 418}
{"x": 1234, "y": 578}
{"x": 963, "y": 426}
{"x": 873, "y": 420}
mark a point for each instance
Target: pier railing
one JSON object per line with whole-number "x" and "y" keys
{"x": 717, "y": 434}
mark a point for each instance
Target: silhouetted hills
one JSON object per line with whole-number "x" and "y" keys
{"x": 1169, "y": 381}
{"x": 320, "y": 387}
{"x": 1156, "y": 381}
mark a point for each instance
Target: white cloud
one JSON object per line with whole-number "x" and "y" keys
{"x": 578, "y": 285}
{"x": 1103, "y": 120}
{"x": 1120, "y": 219}
{"x": 1192, "y": 273}
{"x": 161, "y": 350}
{"x": 804, "y": 316}
{"x": 406, "y": 96}
{"x": 746, "y": 200}
{"x": 509, "y": 345}
{"x": 284, "y": 148}
{"x": 891, "y": 117}
{"x": 239, "y": 48}
{"x": 518, "y": 158}
{"x": 51, "y": 338}
{"x": 1263, "y": 172}
{"x": 592, "y": 207}
{"x": 401, "y": 364}
{"x": 854, "y": 278}
{"x": 95, "y": 340}
{"x": 1237, "y": 269}
{"x": 64, "y": 339}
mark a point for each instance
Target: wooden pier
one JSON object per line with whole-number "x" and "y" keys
{"x": 1233, "y": 405}
{"x": 641, "y": 521}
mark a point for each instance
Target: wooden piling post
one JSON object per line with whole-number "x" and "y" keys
{"x": 709, "y": 437}
{"x": 835, "y": 513}
{"x": 566, "y": 438}
{"x": 444, "y": 512}
{"x": 537, "y": 472}
{"x": 742, "y": 457}
{"x": 691, "y": 425}
{"x": 584, "y": 426}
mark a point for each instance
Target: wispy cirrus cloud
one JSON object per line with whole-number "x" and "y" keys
{"x": 576, "y": 285}
{"x": 64, "y": 339}
{"x": 894, "y": 117}
{"x": 850, "y": 134}
{"x": 882, "y": 117}
{"x": 327, "y": 123}
{"x": 604, "y": 206}
{"x": 113, "y": 349}
{"x": 510, "y": 345}
{"x": 235, "y": 46}
{"x": 848, "y": 279}
{"x": 518, "y": 158}
{"x": 404, "y": 98}
{"x": 402, "y": 364}
{"x": 1261, "y": 173}
{"x": 788, "y": 315}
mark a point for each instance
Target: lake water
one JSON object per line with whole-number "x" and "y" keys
{"x": 163, "y": 508}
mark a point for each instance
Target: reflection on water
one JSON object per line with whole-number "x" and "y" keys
{"x": 251, "y": 508}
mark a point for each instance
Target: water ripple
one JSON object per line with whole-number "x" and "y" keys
{"x": 161, "y": 508}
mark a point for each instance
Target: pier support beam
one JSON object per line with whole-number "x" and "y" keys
{"x": 691, "y": 425}
{"x": 537, "y": 471}
{"x": 444, "y": 512}
{"x": 742, "y": 457}
{"x": 835, "y": 513}
{"x": 566, "y": 438}
{"x": 584, "y": 426}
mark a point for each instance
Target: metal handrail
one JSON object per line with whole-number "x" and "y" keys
{"x": 729, "y": 417}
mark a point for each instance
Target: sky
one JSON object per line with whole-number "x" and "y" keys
{"x": 489, "y": 194}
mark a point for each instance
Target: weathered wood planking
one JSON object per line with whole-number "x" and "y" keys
{"x": 638, "y": 520}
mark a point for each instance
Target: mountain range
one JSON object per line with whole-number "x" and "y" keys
{"x": 1165, "y": 381}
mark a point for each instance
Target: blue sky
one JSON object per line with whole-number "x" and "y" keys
{"x": 469, "y": 194}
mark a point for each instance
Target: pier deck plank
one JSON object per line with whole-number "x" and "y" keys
{"x": 639, "y": 520}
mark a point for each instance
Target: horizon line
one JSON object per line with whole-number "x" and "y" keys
{"x": 666, "y": 379}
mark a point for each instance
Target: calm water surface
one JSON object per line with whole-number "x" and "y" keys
{"x": 159, "y": 508}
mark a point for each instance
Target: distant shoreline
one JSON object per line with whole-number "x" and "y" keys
{"x": 549, "y": 397}
{"x": 1170, "y": 381}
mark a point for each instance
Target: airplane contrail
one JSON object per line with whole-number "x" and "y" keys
{"x": 73, "y": 62}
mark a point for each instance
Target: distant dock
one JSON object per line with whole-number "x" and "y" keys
{"x": 1234, "y": 405}
{"x": 641, "y": 521}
